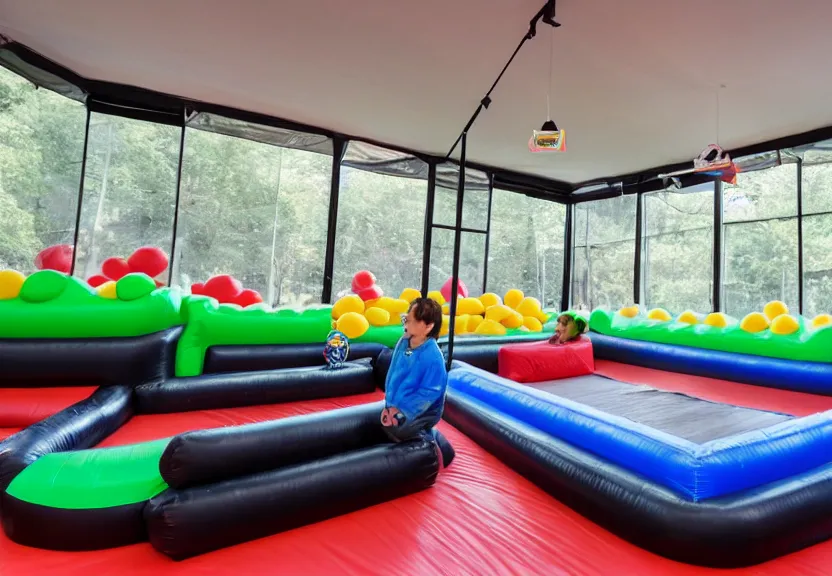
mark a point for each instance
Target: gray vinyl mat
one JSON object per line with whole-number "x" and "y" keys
{"x": 684, "y": 416}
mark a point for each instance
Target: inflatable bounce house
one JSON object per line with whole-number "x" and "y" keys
{"x": 197, "y": 421}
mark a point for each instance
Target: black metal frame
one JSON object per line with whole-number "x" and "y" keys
{"x": 717, "y": 246}
{"x": 428, "y": 231}
{"x": 460, "y": 197}
{"x": 78, "y": 207}
{"x": 637, "y": 270}
{"x": 176, "y": 205}
{"x": 339, "y": 147}
{"x": 487, "y": 235}
{"x": 800, "y": 235}
{"x": 568, "y": 257}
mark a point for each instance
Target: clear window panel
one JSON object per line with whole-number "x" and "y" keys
{"x": 255, "y": 211}
{"x": 471, "y": 259}
{"x": 381, "y": 223}
{"x": 526, "y": 248}
{"x": 604, "y": 253}
{"x": 817, "y": 265}
{"x": 677, "y": 255}
{"x": 41, "y": 152}
{"x": 475, "y": 200}
{"x": 761, "y": 195}
{"x": 817, "y": 189}
{"x": 129, "y": 190}
{"x": 760, "y": 262}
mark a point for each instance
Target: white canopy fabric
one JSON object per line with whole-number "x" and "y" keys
{"x": 635, "y": 82}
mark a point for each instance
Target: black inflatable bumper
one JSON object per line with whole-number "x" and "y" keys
{"x": 185, "y": 523}
{"x": 728, "y": 532}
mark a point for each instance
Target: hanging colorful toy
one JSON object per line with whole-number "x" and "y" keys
{"x": 336, "y": 350}
{"x": 712, "y": 161}
{"x": 548, "y": 139}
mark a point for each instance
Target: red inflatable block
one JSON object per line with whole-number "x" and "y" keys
{"x": 372, "y": 293}
{"x": 363, "y": 280}
{"x": 224, "y": 288}
{"x": 97, "y": 280}
{"x": 248, "y": 297}
{"x": 461, "y": 289}
{"x": 541, "y": 361}
{"x": 149, "y": 260}
{"x": 57, "y": 257}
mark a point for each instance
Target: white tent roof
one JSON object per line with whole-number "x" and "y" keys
{"x": 635, "y": 82}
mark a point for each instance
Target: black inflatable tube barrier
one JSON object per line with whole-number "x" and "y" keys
{"x": 186, "y": 523}
{"x": 254, "y": 358}
{"x": 39, "y": 363}
{"x": 217, "y": 391}
{"x": 728, "y": 532}
{"x": 72, "y": 530}
{"x": 210, "y": 456}
{"x": 80, "y": 426}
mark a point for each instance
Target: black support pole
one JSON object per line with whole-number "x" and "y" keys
{"x": 717, "y": 249}
{"x": 80, "y": 196}
{"x": 487, "y": 235}
{"x": 568, "y": 240}
{"x": 800, "y": 236}
{"x": 176, "y": 205}
{"x": 339, "y": 146}
{"x": 460, "y": 196}
{"x": 637, "y": 274}
{"x": 428, "y": 234}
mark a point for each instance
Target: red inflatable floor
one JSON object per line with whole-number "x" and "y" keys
{"x": 480, "y": 518}
{"x": 21, "y": 407}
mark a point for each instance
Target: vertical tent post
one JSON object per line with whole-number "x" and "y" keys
{"x": 176, "y": 203}
{"x": 428, "y": 234}
{"x": 339, "y": 147}
{"x": 80, "y": 196}
{"x": 460, "y": 196}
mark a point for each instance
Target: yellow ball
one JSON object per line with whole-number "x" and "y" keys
{"x": 436, "y": 296}
{"x": 490, "y": 299}
{"x": 513, "y": 320}
{"x": 107, "y": 290}
{"x": 687, "y": 317}
{"x": 351, "y": 303}
{"x": 498, "y": 313}
{"x": 529, "y": 306}
{"x": 513, "y": 298}
{"x": 629, "y": 311}
{"x": 532, "y": 324}
{"x": 446, "y": 325}
{"x": 410, "y": 294}
{"x": 822, "y": 320}
{"x": 542, "y": 316}
{"x": 461, "y": 324}
{"x": 473, "y": 322}
{"x": 371, "y": 304}
{"x": 785, "y": 325}
{"x": 490, "y": 328}
{"x": 446, "y": 309}
{"x": 469, "y": 306}
{"x": 659, "y": 314}
{"x": 11, "y": 281}
{"x": 377, "y": 316}
{"x": 352, "y": 324}
{"x": 716, "y": 319}
{"x": 774, "y": 309}
{"x": 754, "y": 322}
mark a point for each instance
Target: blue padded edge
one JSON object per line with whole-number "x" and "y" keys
{"x": 812, "y": 377}
{"x": 693, "y": 471}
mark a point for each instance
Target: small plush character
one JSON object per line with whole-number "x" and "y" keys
{"x": 336, "y": 350}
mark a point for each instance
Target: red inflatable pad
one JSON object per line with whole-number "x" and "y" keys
{"x": 21, "y": 407}
{"x": 541, "y": 361}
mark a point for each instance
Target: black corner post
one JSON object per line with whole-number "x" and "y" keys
{"x": 176, "y": 204}
{"x": 487, "y": 235}
{"x": 717, "y": 249}
{"x": 460, "y": 196}
{"x": 339, "y": 147}
{"x": 568, "y": 241}
{"x": 637, "y": 274}
{"x": 800, "y": 235}
{"x": 428, "y": 234}
{"x": 80, "y": 196}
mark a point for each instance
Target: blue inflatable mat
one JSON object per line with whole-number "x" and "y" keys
{"x": 696, "y": 471}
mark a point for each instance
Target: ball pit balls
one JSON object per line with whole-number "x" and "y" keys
{"x": 377, "y": 316}
{"x": 716, "y": 319}
{"x": 436, "y": 296}
{"x": 409, "y": 295}
{"x": 822, "y": 320}
{"x": 490, "y": 299}
{"x": 107, "y": 290}
{"x": 363, "y": 280}
{"x": 774, "y": 309}
{"x": 532, "y": 324}
{"x": 350, "y": 303}
{"x": 784, "y": 325}
{"x": 513, "y": 298}
{"x": 687, "y": 317}
{"x": 659, "y": 314}
{"x": 754, "y": 322}
{"x": 11, "y": 281}
{"x": 629, "y": 311}
{"x": 528, "y": 306}
{"x": 352, "y": 324}
{"x": 490, "y": 328}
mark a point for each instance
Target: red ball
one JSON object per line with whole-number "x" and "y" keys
{"x": 224, "y": 288}
{"x": 371, "y": 293}
{"x": 97, "y": 280}
{"x": 248, "y": 297}
{"x": 148, "y": 260}
{"x": 57, "y": 257}
{"x": 362, "y": 281}
{"x": 115, "y": 268}
{"x": 462, "y": 290}
{"x": 198, "y": 288}
{"x": 159, "y": 284}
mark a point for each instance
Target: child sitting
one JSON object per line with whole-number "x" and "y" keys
{"x": 570, "y": 326}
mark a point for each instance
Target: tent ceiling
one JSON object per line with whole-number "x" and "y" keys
{"x": 635, "y": 82}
